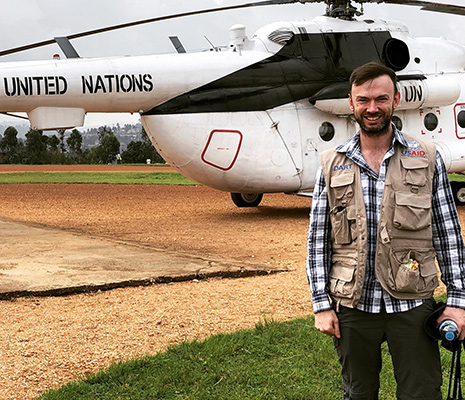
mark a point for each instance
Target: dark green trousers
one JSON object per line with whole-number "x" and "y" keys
{"x": 415, "y": 356}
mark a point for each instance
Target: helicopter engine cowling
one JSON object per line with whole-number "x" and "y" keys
{"x": 453, "y": 156}
{"x": 434, "y": 91}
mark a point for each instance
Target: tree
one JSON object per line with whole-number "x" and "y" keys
{"x": 134, "y": 153}
{"x": 141, "y": 151}
{"x": 36, "y": 147}
{"x": 61, "y": 133}
{"x": 9, "y": 140}
{"x": 10, "y": 146}
{"x": 108, "y": 146}
{"x": 55, "y": 155}
{"x": 53, "y": 142}
{"x": 74, "y": 143}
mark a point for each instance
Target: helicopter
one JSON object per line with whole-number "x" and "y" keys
{"x": 252, "y": 118}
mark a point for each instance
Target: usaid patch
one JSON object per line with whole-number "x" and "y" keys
{"x": 413, "y": 150}
{"x": 413, "y": 145}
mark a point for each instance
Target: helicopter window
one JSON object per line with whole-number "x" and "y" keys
{"x": 326, "y": 131}
{"x": 351, "y": 49}
{"x": 313, "y": 48}
{"x": 397, "y": 122}
{"x": 431, "y": 121}
{"x": 461, "y": 119}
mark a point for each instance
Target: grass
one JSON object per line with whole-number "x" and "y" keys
{"x": 273, "y": 361}
{"x": 114, "y": 178}
{"x": 121, "y": 178}
{"x": 457, "y": 177}
{"x": 287, "y": 360}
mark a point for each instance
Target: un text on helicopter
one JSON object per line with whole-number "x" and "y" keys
{"x": 58, "y": 85}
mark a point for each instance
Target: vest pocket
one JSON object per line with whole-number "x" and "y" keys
{"x": 413, "y": 271}
{"x": 415, "y": 170}
{"x": 342, "y": 186}
{"x": 340, "y": 223}
{"x": 342, "y": 276}
{"x": 412, "y": 211}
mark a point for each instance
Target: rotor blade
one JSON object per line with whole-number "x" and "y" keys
{"x": 156, "y": 19}
{"x": 458, "y": 10}
{"x": 14, "y": 115}
{"x": 425, "y": 5}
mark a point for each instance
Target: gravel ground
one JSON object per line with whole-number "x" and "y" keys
{"x": 47, "y": 342}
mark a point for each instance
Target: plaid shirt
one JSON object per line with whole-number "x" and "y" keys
{"x": 447, "y": 237}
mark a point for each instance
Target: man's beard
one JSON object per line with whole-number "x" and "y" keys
{"x": 378, "y": 130}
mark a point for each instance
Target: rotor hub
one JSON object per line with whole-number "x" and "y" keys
{"x": 342, "y": 9}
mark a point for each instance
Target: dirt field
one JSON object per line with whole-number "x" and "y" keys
{"x": 47, "y": 342}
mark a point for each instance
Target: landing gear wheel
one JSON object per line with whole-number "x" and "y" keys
{"x": 246, "y": 199}
{"x": 458, "y": 188}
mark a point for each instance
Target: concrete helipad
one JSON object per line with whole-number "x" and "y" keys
{"x": 39, "y": 260}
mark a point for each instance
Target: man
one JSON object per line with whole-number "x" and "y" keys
{"x": 382, "y": 211}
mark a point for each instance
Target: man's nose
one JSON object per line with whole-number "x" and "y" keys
{"x": 372, "y": 106}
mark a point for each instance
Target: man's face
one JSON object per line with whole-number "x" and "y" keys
{"x": 373, "y": 104}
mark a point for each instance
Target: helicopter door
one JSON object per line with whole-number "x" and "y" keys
{"x": 284, "y": 122}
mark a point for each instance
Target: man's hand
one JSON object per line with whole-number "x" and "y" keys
{"x": 328, "y": 323}
{"x": 455, "y": 314}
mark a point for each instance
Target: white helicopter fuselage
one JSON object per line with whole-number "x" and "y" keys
{"x": 224, "y": 119}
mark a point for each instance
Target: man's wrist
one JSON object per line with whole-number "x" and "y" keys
{"x": 456, "y": 299}
{"x": 321, "y": 303}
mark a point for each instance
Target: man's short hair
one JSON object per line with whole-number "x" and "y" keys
{"x": 370, "y": 71}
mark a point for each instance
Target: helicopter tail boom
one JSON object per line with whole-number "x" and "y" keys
{"x": 110, "y": 85}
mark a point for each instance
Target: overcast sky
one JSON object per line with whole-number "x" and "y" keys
{"x": 29, "y": 21}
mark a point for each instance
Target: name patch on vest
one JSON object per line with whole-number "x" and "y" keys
{"x": 413, "y": 150}
{"x": 342, "y": 167}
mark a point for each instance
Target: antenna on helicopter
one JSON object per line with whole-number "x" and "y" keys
{"x": 214, "y": 48}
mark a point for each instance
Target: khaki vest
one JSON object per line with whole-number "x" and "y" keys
{"x": 405, "y": 257}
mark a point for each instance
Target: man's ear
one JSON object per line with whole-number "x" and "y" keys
{"x": 351, "y": 104}
{"x": 396, "y": 100}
